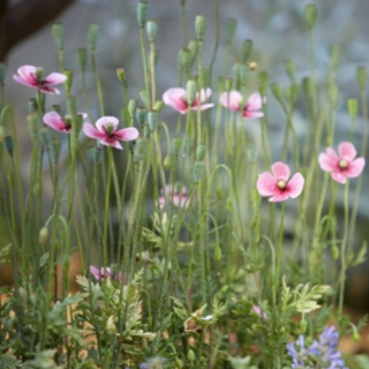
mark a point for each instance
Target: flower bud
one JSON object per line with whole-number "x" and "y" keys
{"x": 290, "y": 68}
{"x": 177, "y": 144}
{"x": 198, "y": 170}
{"x": 132, "y": 106}
{"x": 152, "y": 119}
{"x": 231, "y": 26}
{"x": 184, "y": 58}
{"x": 193, "y": 47}
{"x": 276, "y": 90}
{"x": 361, "y": 77}
{"x": 151, "y": 29}
{"x": 179, "y": 362}
{"x": 43, "y": 235}
{"x": 246, "y": 50}
{"x": 95, "y": 154}
{"x": 253, "y": 66}
{"x": 200, "y": 152}
{"x": 200, "y": 26}
{"x": 191, "y": 356}
{"x": 82, "y": 59}
{"x": 142, "y": 10}
{"x": 9, "y": 145}
{"x": 217, "y": 253}
{"x": 335, "y": 252}
{"x": 141, "y": 115}
{"x": 303, "y": 325}
{"x": 2, "y": 73}
{"x": 159, "y": 105}
{"x": 191, "y": 89}
{"x": 110, "y": 325}
{"x": 2, "y": 134}
{"x": 121, "y": 74}
{"x": 92, "y": 35}
{"x": 69, "y": 81}
{"x": 58, "y": 34}
{"x": 167, "y": 162}
{"x": 352, "y": 108}
{"x": 311, "y": 13}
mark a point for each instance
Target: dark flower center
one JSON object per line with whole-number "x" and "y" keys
{"x": 343, "y": 164}
{"x": 281, "y": 184}
{"x": 109, "y": 129}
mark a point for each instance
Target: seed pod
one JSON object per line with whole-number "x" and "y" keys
{"x": 231, "y": 27}
{"x": 152, "y": 119}
{"x": 142, "y": 10}
{"x": 92, "y": 35}
{"x": 141, "y": 115}
{"x": 43, "y": 235}
{"x": 311, "y": 13}
{"x": 58, "y": 34}
{"x": 200, "y": 26}
{"x": 246, "y": 50}
{"x": 151, "y": 29}
{"x": 191, "y": 89}
{"x": 200, "y": 152}
{"x": 121, "y": 74}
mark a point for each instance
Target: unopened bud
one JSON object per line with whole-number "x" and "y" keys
{"x": 193, "y": 47}
{"x": 178, "y": 362}
{"x": 231, "y": 26}
{"x": 92, "y": 35}
{"x": 200, "y": 26}
{"x": 58, "y": 35}
{"x": 191, "y": 89}
{"x": 191, "y": 356}
{"x": 303, "y": 325}
{"x": 43, "y": 235}
{"x": 151, "y": 29}
{"x": 311, "y": 13}
{"x": 121, "y": 74}
{"x": 82, "y": 59}
{"x": 142, "y": 10}
{"x": 246, "y": 50}
{"x": 159, "y": 105}
{"x": 167, "y": 162}
{"x": 217, "y": 253}
{"x": 141, "y": 115}
{"x": 253, "y": 65}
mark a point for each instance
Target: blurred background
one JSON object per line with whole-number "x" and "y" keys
{"x": 277, "y": 28}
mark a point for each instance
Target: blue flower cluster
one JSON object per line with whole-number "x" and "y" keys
{"x": 322, "y": 353}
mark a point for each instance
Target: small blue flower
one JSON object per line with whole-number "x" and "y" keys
{"x": 156, "y": 362}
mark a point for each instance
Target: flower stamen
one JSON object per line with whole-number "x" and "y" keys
{"x": 343, "y": 164}
{"x": 281, "y": 184}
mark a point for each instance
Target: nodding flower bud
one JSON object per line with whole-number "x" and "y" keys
{"x": 276, "y": 90}
{"x": 141, "y": 115}
{"x": 58, "y": 34}
{"x": 152, "y": 119}
{"x": 132, "y": 106}
{"x": 69, "y": 81}
{"x": 200, "y": 152}
{"x": 121, "y": 74}
{"x": 352, "y": 108}
{"x": 82, "y": 59}
{"x": 200, "y": 26}
{"x": 191, "y": 89}
{"x": 231, "y": 26}
{"x": 151, "y": 29}
{"x": 92, "y": 35}
{"x": 2, "y": 134}
{"x": 95, "y": 154}
{"x": 290, "y": 68}
{"x": 228, "y": 83}
{"x": 43, "y": 235}
{"x": 198, "y": 171}
{"x": 361, "y": 77}
{"x": 2, "y": 73}
{"x": 184, "y": 58}
{"x": 167, "y": 162}
{"x": 142, "y": 10}
{"x": 243, "y": 73}
{"x": 9, "y": 145}
{"x": 177, "y": 144}
{"x": 311, "y": 13}
{"x": 159, "y": 105}
{"x": 193, "y": 47}
{"x": 246, "y": 50}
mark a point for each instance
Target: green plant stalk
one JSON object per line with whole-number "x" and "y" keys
{"x": 279, "y": 251}
{"x": 106, "y": 209}
{"x": 98, "y": 82}
{"x": 184, "y": 22}
{"x": 144, "y": 63}
{"x": 343, "y": 248}
{"x": 217, "y": 38}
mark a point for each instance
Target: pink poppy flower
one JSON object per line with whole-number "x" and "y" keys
{"x": 31, "y": 76}
{"x": 342, "y": 165}
{"x": 104, "y": 273}
{"x": 234, "y": 102}
{"x": 277, "y": 184}
{"x": 55, "y": 121}
{"x": 178, "y": 199}
{"x": 176, "y": 98}
{"x": 106, "y": 131}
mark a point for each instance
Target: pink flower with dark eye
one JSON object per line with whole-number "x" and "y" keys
{"x": 176, "y": 98}
{"x": 55, "y": 121}
{"x": 277, "y": 184}
{"x": 107, "y": 132}
{"x": 171, "y": 193}
{"x": 32, "y": 76}
{"x": 104, "y": 273}
{"x": 342, "y": 165}
{"x": 234, "y": 101}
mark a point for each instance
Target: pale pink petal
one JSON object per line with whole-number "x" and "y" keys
{"x": 328, "y": 162}
{"x": 24, "y": 82}
{"x": 49, "y": 90}
{"x": 248, "y": 114}
{"x": 355, "y": 168}
{"x": 95, "y": 272}
{"x": 346, "y": 151}
{"x": 108, "y": 141}
{"x": 332, "y": 154}
{"x": 28, "y": 73}
{"x": 281, "y": 171}
{"x": 127, "y": 134}
{"x": 203, "y": 107}
{"x": 55, "y": 78}
{"x": 204, "y": 95}
{"x": 175, "y": 97}
{"x": 90, "y": 131}
{"x": 103, "y": 123}
{"x": 282, "y": 196}
{"x": 295, "y": 186}
{"x": 339, "y": 177}
{"x": 55, "y": 121}
{"x": 254, "y": 102}
{"x": 231, "y": 100}
{"x": 266, "y": 185}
